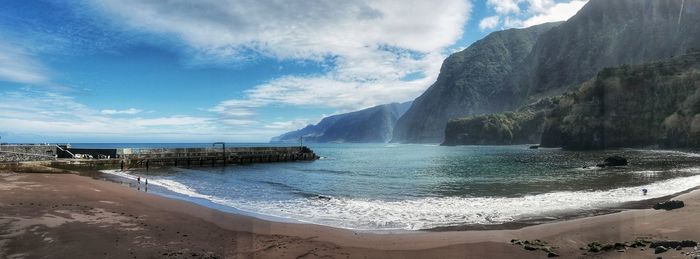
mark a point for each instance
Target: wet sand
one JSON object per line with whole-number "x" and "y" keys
{"x": 52, "y": 215}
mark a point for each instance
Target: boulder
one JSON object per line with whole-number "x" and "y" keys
{"x": 673, "y": 243}
{"x": 669, "y": 205}
{"x": 660, "y": 249}
{"x": 614, "y": 161}
{"x": 535, "y": 147}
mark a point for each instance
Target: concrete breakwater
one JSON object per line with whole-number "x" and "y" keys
{"x": 153, "y": 157}
{"x": 145, "y": 158}
{"x": 22, "y": 153}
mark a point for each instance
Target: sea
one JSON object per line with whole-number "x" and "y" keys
{"x": 389, "y": 187}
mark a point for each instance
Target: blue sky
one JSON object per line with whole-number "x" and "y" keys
{"x": 235, "y": 71}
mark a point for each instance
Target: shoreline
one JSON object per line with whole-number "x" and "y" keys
{"x": 513, "y": 225}
{"x": 568, "y": 235}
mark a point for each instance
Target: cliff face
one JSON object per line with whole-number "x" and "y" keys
{"x": 631, "y": 106}
{"x": 466, "y": 84}
{"x": 509, "y": 128}
{"x": 365, "y": 126}
{"x": 504, "y": 72}
{"x": 604, "y": 34}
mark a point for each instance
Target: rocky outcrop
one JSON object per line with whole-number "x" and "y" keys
{"x": 614, "y": 161}
{"x": 466, "y": 84}
{"x": 655, "y": 104}
{"x": 508, "y": 128}
{"x": 669, "y": 205}
{"x": 503, "y": 72}
{"x": 372, "y": 125}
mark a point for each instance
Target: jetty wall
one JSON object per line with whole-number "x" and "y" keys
{"x": 146, "y": 157}
{"x": 23, "y": 153}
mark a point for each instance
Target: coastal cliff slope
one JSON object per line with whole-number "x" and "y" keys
{"x": 602, "y": 34}
{"x": 371, "y": 125}
{"x": 466, "y": 83}
{"x": 655, "y": 104}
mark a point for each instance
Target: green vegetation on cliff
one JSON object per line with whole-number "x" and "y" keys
{"x": 631, "y": 106}
{"x": 509, "y": 128}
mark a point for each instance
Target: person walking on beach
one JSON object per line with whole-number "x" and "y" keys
{"x": 146, "y": 185}
{"x": 138, "y": 179}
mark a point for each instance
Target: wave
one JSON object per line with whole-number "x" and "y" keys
{"x": 171, "y": 185}
{"x": 671, "y": 152}
{"x": 432, "y": 212}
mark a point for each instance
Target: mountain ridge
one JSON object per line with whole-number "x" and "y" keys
{"x": 371, "y": 125}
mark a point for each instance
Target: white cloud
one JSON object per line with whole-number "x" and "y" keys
{"x": 130, "y": 111}
{"x": 289, "y": 125}
{"x": 372, "y": 45}
{"x": 557, "y": 12}
{"x": 504, "y": 6}
{"x": 19, "y": 66}
{"x": 526, "y": 13}
{"x": 303, "y": 29}
{"x": 489, "y": 22}
{"x": 48, "y": 115}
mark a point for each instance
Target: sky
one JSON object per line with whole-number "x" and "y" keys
{"x": 226, "y": 70}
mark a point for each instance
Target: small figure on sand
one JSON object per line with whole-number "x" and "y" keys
{"x": 644, "y": 191}
{"x": 138, "y": 179}
{"x": 146, "y": 185}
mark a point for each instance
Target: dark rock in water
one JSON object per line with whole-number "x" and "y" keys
{"x": 530, "y": 248}
{"x": 325, "y": 198}
{"x": 669, "y": 205}
{"x": 552, "y": 254}
{"x": 614, "y": 161}
{"x": 535, "y": 147}
{"x": 660, "y": 249}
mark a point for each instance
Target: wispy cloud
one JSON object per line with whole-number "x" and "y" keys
{"x": 526, "y": 13}
{"x": 489, "y": 22}
{"x": 129, "y": 111}
{"x": 50, "y": 115}
{"x": 19, "y": 66}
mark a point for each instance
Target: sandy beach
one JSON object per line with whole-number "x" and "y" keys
{"x": 59, "y": 215}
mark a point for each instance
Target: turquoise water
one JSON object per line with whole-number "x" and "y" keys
{"x": 387, "y": 186}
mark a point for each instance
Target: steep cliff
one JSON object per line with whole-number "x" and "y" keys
{"x": 370, "y": 125}
{"x": 604, "y": 34}
{"x": 631, "y": 106}
{"x": 466, "y": 84}
{"x": 509, "y": 69}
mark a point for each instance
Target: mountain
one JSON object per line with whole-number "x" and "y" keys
{"x": 371, "y": 125}
{"x": 602, "y": 34}
{"x": 655, "y": 104}
{"x": 466, "y": 83}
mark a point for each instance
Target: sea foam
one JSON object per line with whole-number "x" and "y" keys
{"x": 431, "y": 212}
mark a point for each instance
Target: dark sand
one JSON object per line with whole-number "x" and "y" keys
{"x": 50, "y": 215}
